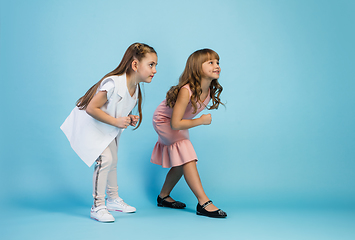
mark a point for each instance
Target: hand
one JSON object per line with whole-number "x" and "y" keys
{"x": 134, "y": 120}
{"x": 123, "y": 122}
{"x": 206, "y": 119}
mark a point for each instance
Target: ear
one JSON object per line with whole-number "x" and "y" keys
{"x": 134, "y": 65}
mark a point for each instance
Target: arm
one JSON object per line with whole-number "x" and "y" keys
{"x": 94, "y": 110}
{"x": 177, "y": 123}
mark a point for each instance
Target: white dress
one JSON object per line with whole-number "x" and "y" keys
{"x": 89, "y": 137}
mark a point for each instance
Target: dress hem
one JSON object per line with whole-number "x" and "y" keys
{"x": 174, "y": 165}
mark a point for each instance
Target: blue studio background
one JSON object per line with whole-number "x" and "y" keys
{"x": 285, "y": 139}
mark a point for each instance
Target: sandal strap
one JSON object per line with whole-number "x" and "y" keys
{"x": 206, "y": 204}
{"x": 165, "y": 197}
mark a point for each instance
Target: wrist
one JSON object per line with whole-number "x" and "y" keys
{"x": 199, "y": 121}
{"x": 117, "y": 122}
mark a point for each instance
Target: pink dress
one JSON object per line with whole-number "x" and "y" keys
{"x": 173, "y": 147}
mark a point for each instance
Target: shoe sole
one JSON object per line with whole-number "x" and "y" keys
{"x": 115, "y": 210}
{"x": 161, "y": 205}
{"x": 102, "y": 221}
{"x": 201, "y": 214}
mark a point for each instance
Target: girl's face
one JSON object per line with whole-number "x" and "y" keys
{"x": 211, "y": 69}
{"x": 146, "y": 68}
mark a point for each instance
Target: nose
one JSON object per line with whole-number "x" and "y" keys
{"x": 154, "y": 70}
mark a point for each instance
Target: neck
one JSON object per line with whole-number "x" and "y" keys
{"x": 205, "y": 84}
{"x": 131, "y": 84}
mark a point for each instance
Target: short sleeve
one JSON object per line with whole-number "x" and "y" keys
{"x": 188, "y": 88}
{"x": 107, "y": 85}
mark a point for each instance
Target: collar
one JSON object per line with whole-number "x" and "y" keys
{"x": 121, "y": 86}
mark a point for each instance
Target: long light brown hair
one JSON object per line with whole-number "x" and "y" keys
{"x": 192, "y": 75}
{"x": 135, "y": 51}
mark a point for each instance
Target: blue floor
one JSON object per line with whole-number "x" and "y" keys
{"x": 151, "y": 222}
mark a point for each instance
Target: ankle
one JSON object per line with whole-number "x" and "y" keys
{"x": 163, "y": 195}
{"x": 202, "y": 201}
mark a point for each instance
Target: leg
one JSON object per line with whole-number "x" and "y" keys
{"x": 114, "y": 202}
{"x": 193, "y": 180}
{"x": 172, "y": 178}
{"x": 112, "y": 187}
{"x": 102, "y": 168}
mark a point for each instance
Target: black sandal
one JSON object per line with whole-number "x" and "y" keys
{"x": 176, "y": 204}
{"x": 200, "y": 210}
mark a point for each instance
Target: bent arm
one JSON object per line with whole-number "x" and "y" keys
{"x": 94, "y": 110}
{"x": 177, "y": 123}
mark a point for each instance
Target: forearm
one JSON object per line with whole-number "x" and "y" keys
{"x": 184, "y": 124}
{"x": 101, "y": 116}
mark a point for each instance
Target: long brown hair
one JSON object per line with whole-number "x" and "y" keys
{"x": 135, "y": 51}
{"x": 192, "y": 75}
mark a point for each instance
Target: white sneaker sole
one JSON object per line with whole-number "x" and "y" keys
{"x": 124, "y": 211}
{"x": 104, "y": 221}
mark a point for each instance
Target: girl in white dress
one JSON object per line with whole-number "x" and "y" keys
{"x": 94, "y": 126}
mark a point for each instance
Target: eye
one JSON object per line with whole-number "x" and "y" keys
{"x": 152, "y": 64}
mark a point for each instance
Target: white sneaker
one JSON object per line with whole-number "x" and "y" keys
{"x": 118, "y": 204}
{"x": 101, "y": 214}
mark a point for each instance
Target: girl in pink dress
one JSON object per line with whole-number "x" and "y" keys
{"x": 198, "y": 84}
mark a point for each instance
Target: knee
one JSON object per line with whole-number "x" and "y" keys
{"x": 193, "y": 162}
{"x": 107, "y": 161}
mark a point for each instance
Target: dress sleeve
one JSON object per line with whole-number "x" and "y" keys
{"x": 107, "y": 85}
{"x": 188, "y": 88}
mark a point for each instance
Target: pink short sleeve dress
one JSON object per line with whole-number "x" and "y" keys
{"x": 173, "y": 147}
